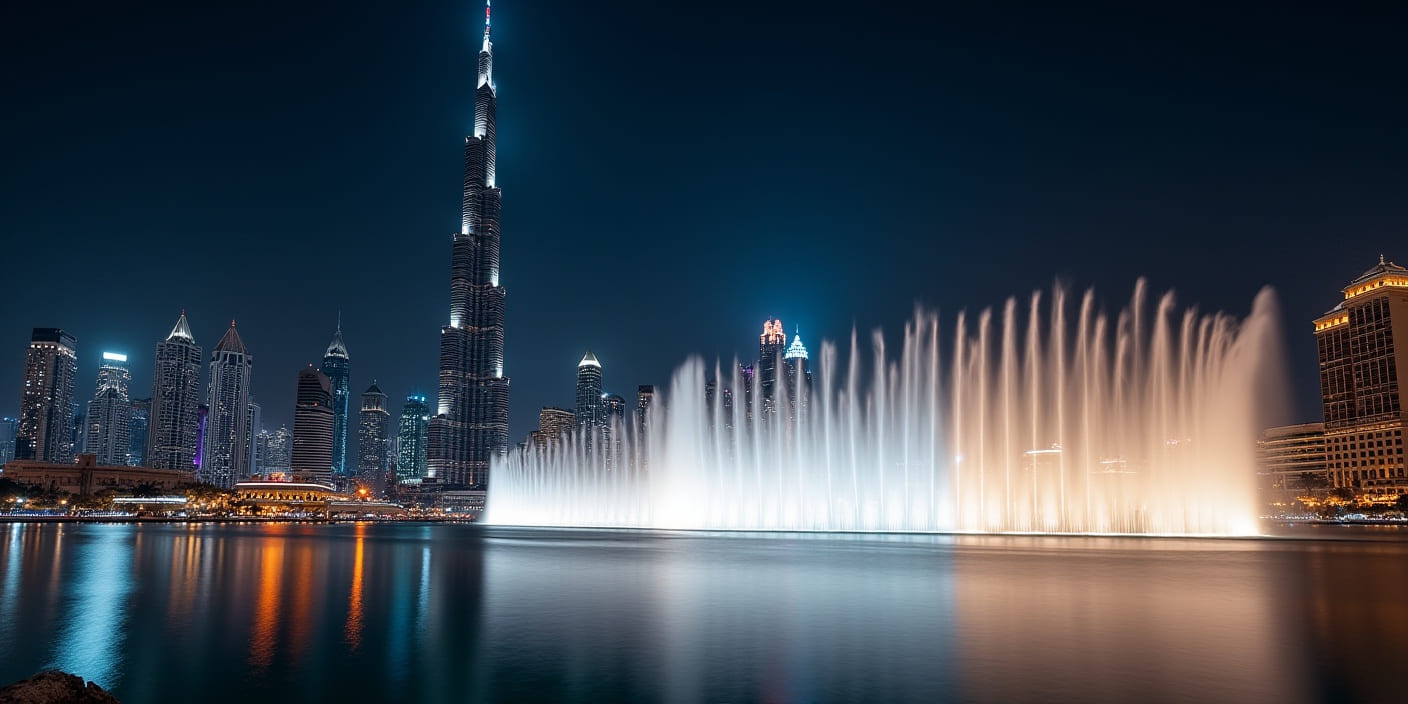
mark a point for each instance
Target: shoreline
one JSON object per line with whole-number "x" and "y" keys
{"x": 218, "y": 519}
{"x": 11, "y": 519}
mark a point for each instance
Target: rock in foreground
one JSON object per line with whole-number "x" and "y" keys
{"x": 54, "y": 687}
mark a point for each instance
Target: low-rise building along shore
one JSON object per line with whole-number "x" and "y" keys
{"x": 87, "y": 477}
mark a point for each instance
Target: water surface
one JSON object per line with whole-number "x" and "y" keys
{"x": 282, "y": 612}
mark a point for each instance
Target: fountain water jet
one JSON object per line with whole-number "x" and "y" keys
{"x": 1150, "y": 429}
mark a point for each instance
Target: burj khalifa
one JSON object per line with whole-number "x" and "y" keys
{"x": 470, "y": 427}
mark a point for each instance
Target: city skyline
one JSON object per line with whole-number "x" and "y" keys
{"x": 992, "y": 200}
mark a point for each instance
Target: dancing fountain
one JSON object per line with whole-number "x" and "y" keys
{"x": 1062, "y": 420}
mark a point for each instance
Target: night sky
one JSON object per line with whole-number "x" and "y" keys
{"x": 674, "y": 173}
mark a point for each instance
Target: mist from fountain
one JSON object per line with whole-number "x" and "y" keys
{"x": 1061, "y": 420}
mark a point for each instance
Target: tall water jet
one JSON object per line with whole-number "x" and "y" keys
{"x": 1048, "y": 416}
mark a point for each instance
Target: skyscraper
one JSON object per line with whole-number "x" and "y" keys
{"x": 471, "y": 422}
{"x": 770, "y": 345}
{"x": 798, "y": 374}
{"x": 253, "y": 426}
{"x": 175, "y": 400}
{"x": 613, "y": 428}
{"x": 46, "y": 406}
{"x": 311, "y": 456}
{"x": 139, "y": 425}
{"x": 337, "y": 367}
{"x": 588, "y": 412}
{"x": 645, "y": 396}
{"x": 275, "y": 451}
{"x": 109, "y": 417}
{"x": 411, "y": 439}
{"x": 1363, "y": 346}
{"x": 202, "y": 422}
{"x": 114, "y": 374}
{"x": 553, "y": 424}
{"x": 8, "y": 428}
{"x": 373, "y": 435}
{"x": 259, "y": 458}
{"x": 227, "y": 426}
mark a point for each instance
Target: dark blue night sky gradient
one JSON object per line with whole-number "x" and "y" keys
{"x": 674, "y": 173}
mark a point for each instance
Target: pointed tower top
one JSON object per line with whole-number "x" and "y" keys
{"x": 589, "y": 360}
{"x": 337, "y": 348}
{"x": 182, "y": 331}
{"x": 231, "y": 342}
{"x": 796, "y": 350}
{"x": 374, "y": 389}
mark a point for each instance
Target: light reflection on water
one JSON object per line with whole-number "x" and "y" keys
{"x": 456, "y": 613}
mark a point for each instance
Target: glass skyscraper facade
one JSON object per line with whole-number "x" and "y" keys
{"x": 311, "y": 456}
{"x": 109, "y": 417}
{"x": 175, "y": 404}
{"x": 337, "y": 367}
{"x": 373, "y": 435}
{"x": 227, "y": 442}
{"x": 46, "y": 423}
{"x": 411, "y": 438}
{"x": 588, "y": 411}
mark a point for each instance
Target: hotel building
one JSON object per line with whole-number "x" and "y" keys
{"x": 1363, "y": 347}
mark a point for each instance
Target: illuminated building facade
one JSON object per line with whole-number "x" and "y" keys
{"x": 553, "y": 425}
{"x": 337, "y": 367}
{"x": 373, "y": 435}
{"x": 1291, "y": 460}
{"x": 46, "y": 430}
{"x": 175, "y": 400}
{"x": 86, "y": 476}
{"x": 770, "y": 350}
{"x": 227, "y": 441}
{"x": 411, "y": 439}
{"x": 109, "y": 417}
{"x": 311, "y": 455}
{"x": 799, "y": 378}
{"x": 274, "y": 449}
{"x": 588, "y": 413}
{"x": 1363, "y": 348}
{"x": 470, "y": 427}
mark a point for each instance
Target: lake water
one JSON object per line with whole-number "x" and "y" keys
{"x": 402, "y": 612}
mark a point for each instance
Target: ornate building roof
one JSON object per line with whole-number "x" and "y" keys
{"x": 230, "y": 342}
{"x": 182, "y": 331}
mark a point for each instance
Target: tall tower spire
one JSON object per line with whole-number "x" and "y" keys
{"x": 471, "y": 422}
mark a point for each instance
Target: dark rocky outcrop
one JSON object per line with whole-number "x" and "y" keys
{"x": 54, "y": 687}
